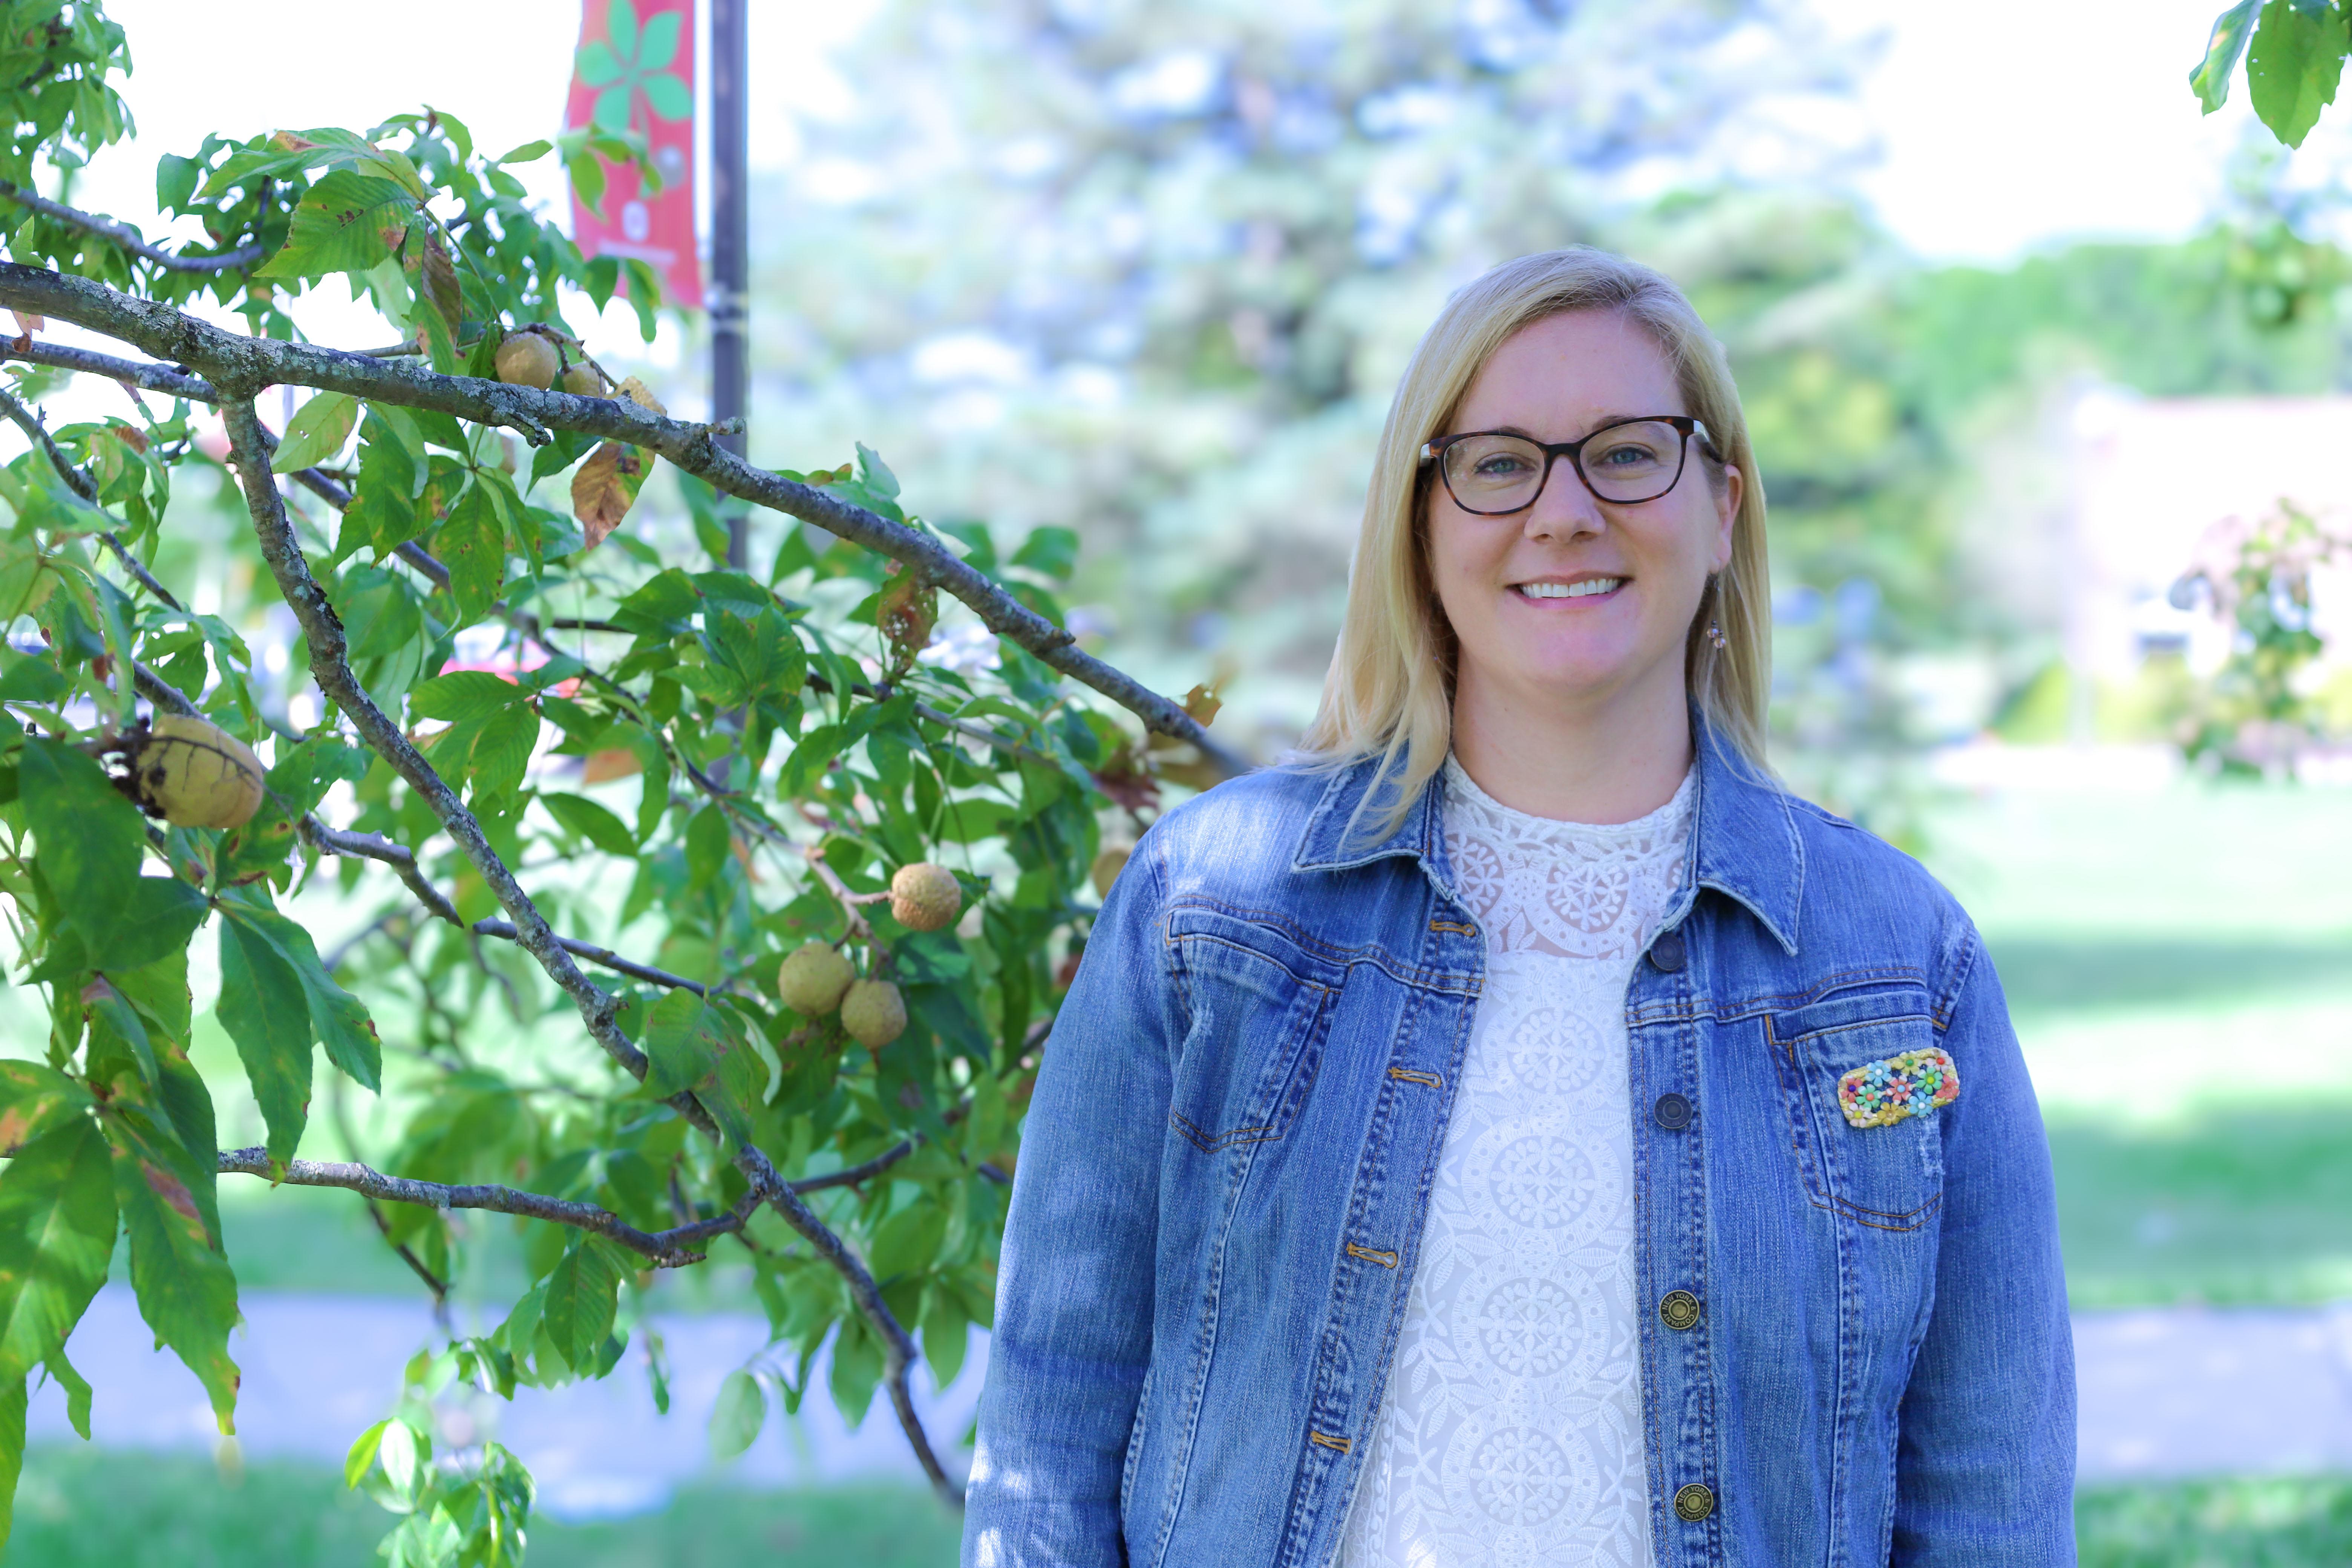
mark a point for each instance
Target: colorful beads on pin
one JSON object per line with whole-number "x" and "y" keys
{"x": 1882, "y": 1093}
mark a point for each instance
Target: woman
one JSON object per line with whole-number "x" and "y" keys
{"x": 1520, "y": 1132}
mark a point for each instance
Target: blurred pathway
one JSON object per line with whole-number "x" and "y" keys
{"x": 2176, "y": 1392}
{"x": 319, "y": 1370}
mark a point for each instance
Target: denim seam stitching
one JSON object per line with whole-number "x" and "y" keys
{"x": 1754, "y": 1006}
{"x": 1347, "y": 958}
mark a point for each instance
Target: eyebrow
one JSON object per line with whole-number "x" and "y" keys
{"x": 1601, "y": 423}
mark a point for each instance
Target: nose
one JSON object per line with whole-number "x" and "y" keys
{"x": 1566, "y": 510}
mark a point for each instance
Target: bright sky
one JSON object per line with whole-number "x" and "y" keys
{"x": 2007, "y": 123}
{"x": 2001, "y": 124}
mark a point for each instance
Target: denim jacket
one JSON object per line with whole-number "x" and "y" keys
{"x": 1220, "y": 1197}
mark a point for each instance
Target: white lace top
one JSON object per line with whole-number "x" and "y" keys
{"x": 1512, "y": 1429}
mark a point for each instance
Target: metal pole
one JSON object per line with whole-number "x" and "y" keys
{"x": 730, "y": 247}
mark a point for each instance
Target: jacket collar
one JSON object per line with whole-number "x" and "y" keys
{"x": 1744, "y": 838}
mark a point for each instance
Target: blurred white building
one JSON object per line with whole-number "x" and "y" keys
{"x": 2149, "y": 476}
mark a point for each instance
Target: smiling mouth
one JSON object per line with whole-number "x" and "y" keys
{"x": 1587, "y": 588}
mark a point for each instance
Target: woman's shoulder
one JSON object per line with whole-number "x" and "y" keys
{"x": 1262, "y": 814}
{"x": 1848, "y": 868}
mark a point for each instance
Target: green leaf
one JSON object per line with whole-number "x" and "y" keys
{"x": 531, "y": 152}
{"x": 118, "y": 1039}
{"x": 677, "y": 1043}
{"x": 187, "y": 1291}
{"x": 473, "y": 545}
{"x": 661, "y": 606}
{"x": 157, "y": 918}
{"x": 578, "y": 1312}
{"x": 28, "y": 678}
{"x": 88, "y": 838}
{"x": 856, "y": 1368}
{"x": 78, "y": 1392}
{"x": 361, "y": 1456}
{"x": 907, "y": 1241}
{"x": 384, "y": 511}
{"x": 2210, "y": 79}
{"x": 347, "y": 223}
{"x": 592, "y": 822}
{"x": 2293, "y": 66}
{"x": 57, "y": 1235}
{"x": 1049, "y": 551}
{"x": 465, "y": 695}
{"x": 267, "y": 1014}
{"x": 36, "y": 1100}
{"x": 14, "y": 1401}
{"x": 947, "y": 1333}
{"x": 709, "y": 841}
{"x": 317, "y": 432}
{"x": 736, "y": 1420}
{"x": 176, "y": 181}
{"x": 501, "y": 752}
{"x": 337, "y": 1019}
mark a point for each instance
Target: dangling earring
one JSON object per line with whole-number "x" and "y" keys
{"x": 1715, "y": 635}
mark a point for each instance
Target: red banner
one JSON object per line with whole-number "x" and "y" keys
{"x": 635, "y": 70}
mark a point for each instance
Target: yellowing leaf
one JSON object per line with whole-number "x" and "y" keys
{"x": 1201, "y": 705}
{"x": 636, "y": 392}
{"x": 604, "y": 488}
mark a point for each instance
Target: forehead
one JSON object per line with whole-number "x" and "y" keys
{"x": 1559, "y": 377}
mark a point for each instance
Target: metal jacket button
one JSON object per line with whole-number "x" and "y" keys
{"x": 1667, "y": 952}
{"x": 1673, "y": 1112}
{"x": 1693, "y": 1502}
{"x": 1679, "y": 1310}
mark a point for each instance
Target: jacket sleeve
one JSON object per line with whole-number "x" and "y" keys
{"x": 1985, "y": 1469}
{"x": 1073, "y": 1301}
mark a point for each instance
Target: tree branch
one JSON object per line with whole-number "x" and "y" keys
{"x": 123, "y": 234}
{"x": 133, "y": 373}
{"x": 600, "y": 956}
{"x": 666, "y": 1250}
{"x": 373, "y": 847}
{"x": 330, "y": 666}
{"x": 245, "y": 365}
{"x": 81, "y": 485}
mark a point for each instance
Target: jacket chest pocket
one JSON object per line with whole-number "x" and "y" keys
{"x": 1256, "y": 1024}
{"x": 1874, "y": 1153}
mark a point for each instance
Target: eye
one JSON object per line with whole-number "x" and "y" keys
{"x": 1623, "y": 454}
{"x": 1502, "y": 465}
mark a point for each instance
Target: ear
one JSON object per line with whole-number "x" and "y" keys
{"x": 1727, "y": 514}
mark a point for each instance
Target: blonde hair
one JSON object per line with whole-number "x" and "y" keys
{"x": 1389, "y": 690}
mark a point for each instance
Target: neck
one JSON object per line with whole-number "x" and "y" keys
{"x": 1599, "y": 759}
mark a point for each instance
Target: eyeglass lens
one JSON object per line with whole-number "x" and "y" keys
{"x": 1625, "y": 463}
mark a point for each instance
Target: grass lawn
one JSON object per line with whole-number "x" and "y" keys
{"x": 80, "y": 1509}
{"x": 2179, "y": 968}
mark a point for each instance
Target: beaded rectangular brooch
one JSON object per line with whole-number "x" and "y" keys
{"x": 1882, "y": 1093}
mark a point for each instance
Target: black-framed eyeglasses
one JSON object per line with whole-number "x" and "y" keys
{"x": 1494, "y": 473}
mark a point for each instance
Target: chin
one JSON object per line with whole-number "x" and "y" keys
{"x": 1581, "y": 665}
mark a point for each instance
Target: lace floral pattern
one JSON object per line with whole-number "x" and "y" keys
{"x": 1512, "y": 1430}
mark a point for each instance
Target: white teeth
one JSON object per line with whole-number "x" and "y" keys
{"x": 1585, "y": 589}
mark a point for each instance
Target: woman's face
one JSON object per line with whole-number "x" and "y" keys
{"x": 1638, "y": 570}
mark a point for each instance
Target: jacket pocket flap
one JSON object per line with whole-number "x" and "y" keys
{"x": 1853, "y": 1010}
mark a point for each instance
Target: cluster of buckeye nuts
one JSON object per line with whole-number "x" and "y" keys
{"x": 818, "y": 978}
